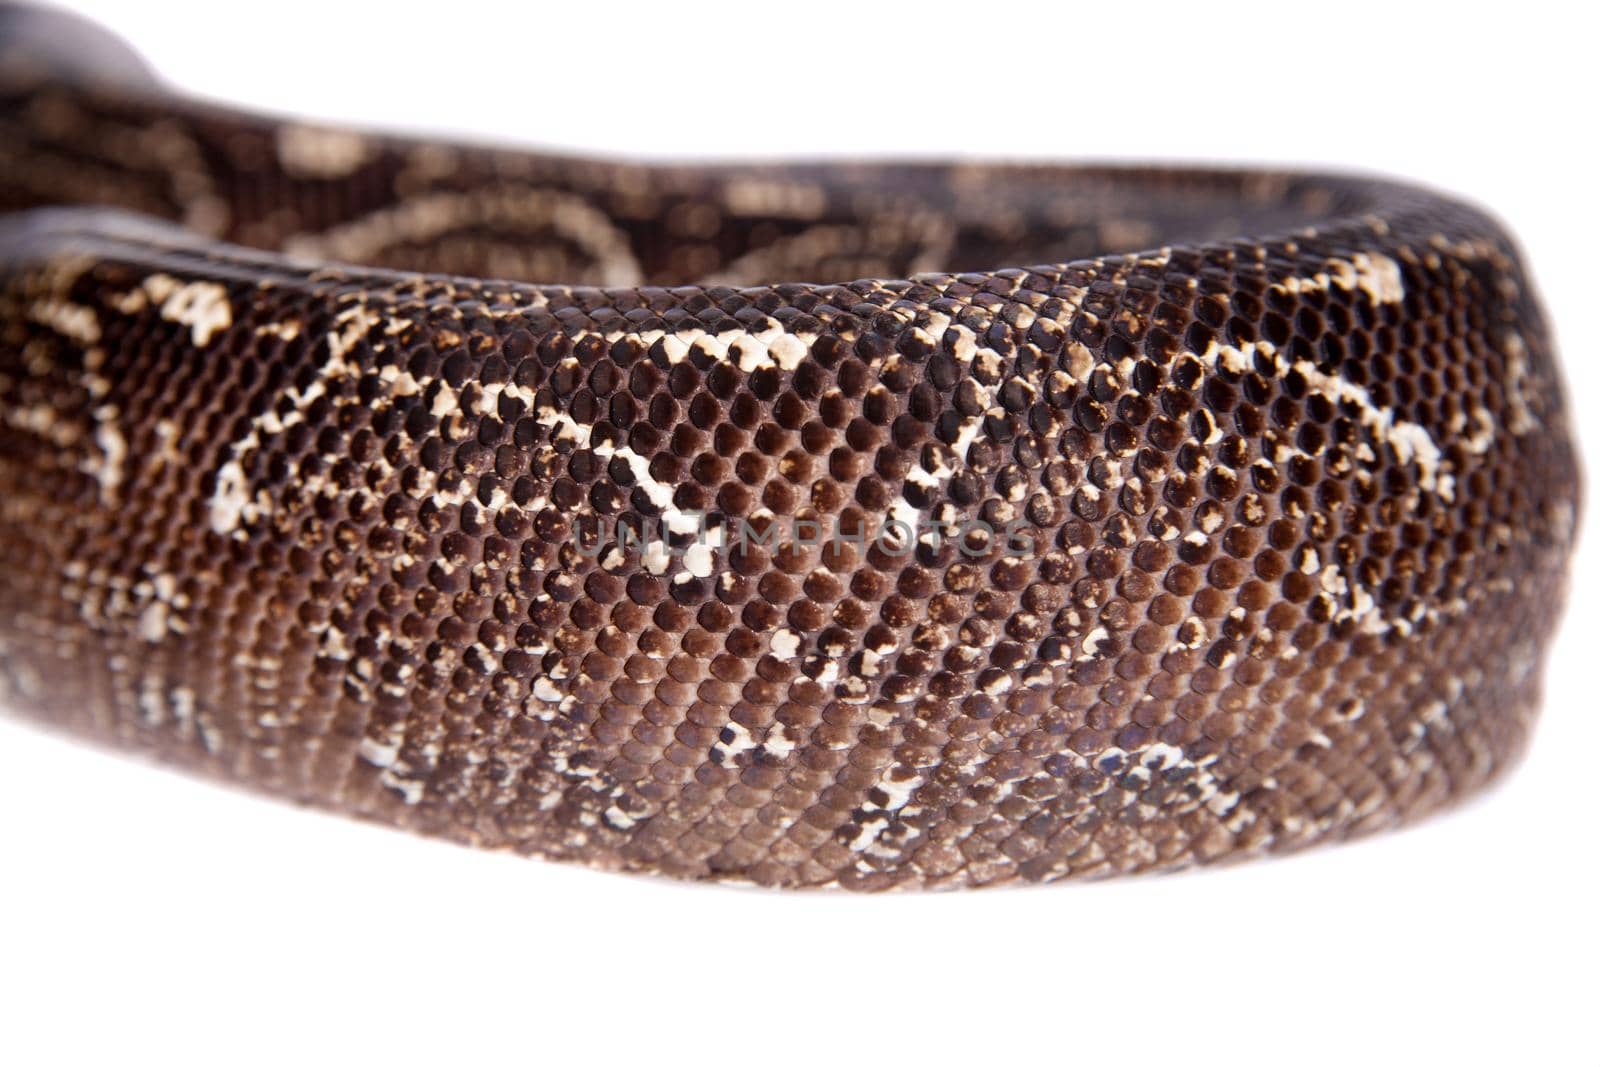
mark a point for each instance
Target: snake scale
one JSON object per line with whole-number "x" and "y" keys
{"x": 592, "y": 510}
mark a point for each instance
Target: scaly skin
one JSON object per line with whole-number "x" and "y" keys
{"x": 1281, "y": 505}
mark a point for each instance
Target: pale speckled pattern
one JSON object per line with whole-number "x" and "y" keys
{"x": 1282, "y": 498}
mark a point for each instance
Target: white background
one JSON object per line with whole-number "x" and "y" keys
{"x": 150, "y": 917}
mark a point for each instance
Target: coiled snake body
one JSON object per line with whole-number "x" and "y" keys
{"x": 1240, "y": 528}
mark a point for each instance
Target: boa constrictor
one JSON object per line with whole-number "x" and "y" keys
{"x": 594, "y": 511}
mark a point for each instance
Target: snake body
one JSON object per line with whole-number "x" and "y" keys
{"x": 599, "y": 512}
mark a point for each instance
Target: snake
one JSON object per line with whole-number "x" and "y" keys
{"x": 764, "y": 522}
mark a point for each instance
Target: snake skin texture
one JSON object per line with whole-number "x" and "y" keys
{"x": 593, "y": 511}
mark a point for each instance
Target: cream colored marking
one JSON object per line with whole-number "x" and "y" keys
{"x": 1191, "y": 633}
{"x": 67, "y": 319}
{"x": 774, "y": 198}
{"x": 871, "y": 662}
{"x": 855, "y": 249}
{"x": 425, "y": 218}
{"x": 378, "y": 753}
{"x": 656, "y": 557}
{"x": 232, "y": 502}
{"x": 1080, "y": 361}
{"x": 1411, "y": 442}
{"x": 771, "y": 347}
{"x": 1235, "y": 360}
{"x": 356, "y": 322}
{"x": 288, "y": 329}
{"x": 565, "y": 427}
{"x": 742, "y": 742}
{"x": 778, "y": 743}
{"x": 108, "y": 467}
{"x": 1520, "y": 420}
{"x": 319, "y": 152}
{"x": 333, "y": 644}
{"x": 1481, "y": 439}
{"x": 166, "y": 432}
{"x": 162, "y": 603}
{"x": 1160, "y": 758}
{"x": 899, "y": 792}
{"x": 42, "y": 421}
{"x": 902, "y": 524}
{"x": 201, "y": 306}
{"x": 1363, "y": 608}
{"x": 183, "y": 704}
{"x": 1376, "y": 275}
{"x": 674, "y": 519}
{"x": 785, "y": 644}
{"x": 699, "y": 559}
{"x": 409, "y": 789}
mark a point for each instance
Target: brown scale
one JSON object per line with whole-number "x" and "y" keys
{"x": 1294, "y": 528}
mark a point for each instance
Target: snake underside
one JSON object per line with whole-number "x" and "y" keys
{"x": 598, "y": 514}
